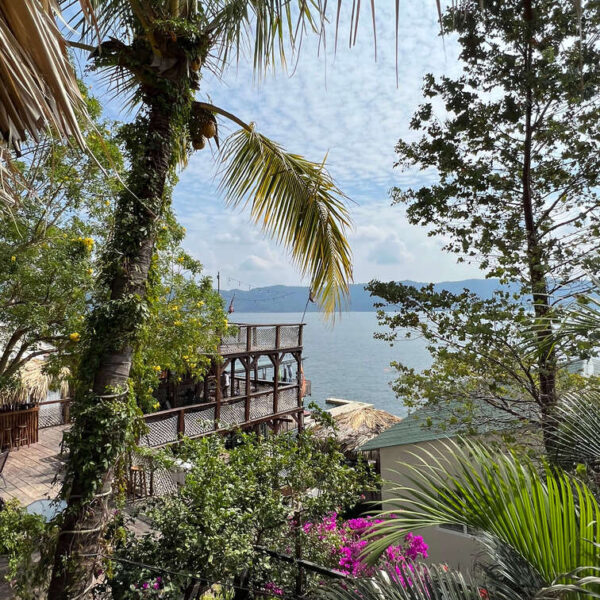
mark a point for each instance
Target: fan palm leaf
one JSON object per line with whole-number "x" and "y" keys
{"x": 296, "y": 202}
{"x": 550, "y": 519}
{"x": 414, "y": 582}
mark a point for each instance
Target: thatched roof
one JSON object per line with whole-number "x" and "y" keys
{"x": 356, "y": 427}
{"x": 35, "y": 384}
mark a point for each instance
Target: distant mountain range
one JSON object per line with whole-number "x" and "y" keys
{"x": 283, "y": 298}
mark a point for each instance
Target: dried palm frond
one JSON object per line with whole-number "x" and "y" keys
{"x": 39, "y": 88}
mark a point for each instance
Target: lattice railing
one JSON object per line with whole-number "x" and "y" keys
{"x": 163, "y": 430}
{"x": 247, "y": 338}
{"x": 169, "y": 426}
{"x": 53, "y": 413}
{"x": 288, "y": 399}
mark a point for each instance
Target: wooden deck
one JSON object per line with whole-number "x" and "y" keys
{"x": 29, "y": 472}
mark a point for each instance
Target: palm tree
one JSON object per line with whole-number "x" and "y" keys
{"x": 163, "y": 47}
{"x": 539, "y": 525}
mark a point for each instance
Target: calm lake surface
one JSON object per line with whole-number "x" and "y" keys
{"x": 345, "y": 361}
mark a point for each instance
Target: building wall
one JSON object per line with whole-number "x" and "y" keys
{"x": 457, "y": 550}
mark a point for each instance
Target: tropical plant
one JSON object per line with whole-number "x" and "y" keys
{"x": 515, "y": 191}
{"x": 236, "y": 501}
{"x": 47, "y": 246}
{"x": 20, "y": 535}
{"x": 185, "y": 322}
{"x": 417, "y": 582}
{"x": 537, "y": 525}
{"x": 156, "y": 63}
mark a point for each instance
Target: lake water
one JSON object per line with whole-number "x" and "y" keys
{"x": 345, "y": 361}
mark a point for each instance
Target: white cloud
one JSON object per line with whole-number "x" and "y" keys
{"x": 346, "y": 106}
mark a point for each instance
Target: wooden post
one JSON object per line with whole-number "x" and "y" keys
{"x": 277, "y": 336}
{"x": 181, "y": 423}
{"x": 275, "y": 382}
{"x": 247, "y": 371}
{"x": 300, "y": 334}
{"x": 67, "y": 411}
{"x": 248, "y": 338}
{"x": 232, "y": 382}
{"x": 218, "y": 394}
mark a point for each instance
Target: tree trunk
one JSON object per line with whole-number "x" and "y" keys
{"x": 546, "y": 354}
{"x": 110, "y": 355}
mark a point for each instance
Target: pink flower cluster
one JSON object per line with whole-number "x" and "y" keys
{"x": 348, "y": 541}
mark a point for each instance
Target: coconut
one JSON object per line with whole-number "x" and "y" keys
{"x": 199, "y": 143}
{"x": 209, "y": 128}
{"x": 195, "y": 64}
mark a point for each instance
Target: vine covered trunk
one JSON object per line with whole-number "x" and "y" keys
{"x": 102, "y": 415}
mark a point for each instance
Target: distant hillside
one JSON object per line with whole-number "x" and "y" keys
{"x": 282, "y": 298}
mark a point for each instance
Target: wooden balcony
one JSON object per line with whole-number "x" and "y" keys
{"x": 246, "y": 338}
{"x": 168, "y": 426}
{"x": 259, "y": 380}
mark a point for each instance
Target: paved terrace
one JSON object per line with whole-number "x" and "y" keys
{"x": 29, "y": 472}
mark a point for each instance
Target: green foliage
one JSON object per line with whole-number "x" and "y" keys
{"x": 185, "y": 323}
{"x": 548, "y": 519}
{"x": 418, "y": 582}
{"x": 515, "y": 190}
{"x": 47, "y": 248}
{"x": 238, "y": 498}
{"x": 20, "y": 536}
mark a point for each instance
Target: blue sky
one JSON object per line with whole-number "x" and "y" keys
{"x": 346, "y": 105}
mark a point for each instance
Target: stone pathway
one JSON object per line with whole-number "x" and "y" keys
{"x": 30, "y": 472}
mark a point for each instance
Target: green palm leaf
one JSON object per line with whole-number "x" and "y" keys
{"x": 296, "y": 202}
{"x": 549, "y": 519}
{"x": 415, "y": 582}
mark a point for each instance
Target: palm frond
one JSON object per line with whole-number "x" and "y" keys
{"x": 296, "y": 202}
{"x": 551, "y": 520}
{"x": 38, "y": 84}
{"x": 267, "y": 28}
{"x": 414, "y": 582}
{"x": 578, "y": 423}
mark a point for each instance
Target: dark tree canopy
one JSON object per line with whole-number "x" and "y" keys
{"x": 514, "y": 147}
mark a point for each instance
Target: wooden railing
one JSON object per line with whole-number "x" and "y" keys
{"x": 168, "y": 426}
{"x": 247, "y": 338}
{"x": 54, "y": 412}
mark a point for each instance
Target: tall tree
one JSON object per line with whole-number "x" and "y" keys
{"x": 163, "y": 47}
{"x": 46, "y": 245}
{"x": 516, "y": 166}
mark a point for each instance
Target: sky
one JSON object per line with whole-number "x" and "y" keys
{"x": 341, "y": 104}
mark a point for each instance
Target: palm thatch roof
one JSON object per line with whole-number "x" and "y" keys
{"x": 39, "y": 87}
{"x": 35, "y": 383}
{"x": 356, "y": 427}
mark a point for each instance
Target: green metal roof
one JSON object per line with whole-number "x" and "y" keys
{"x": 432, "y": 423}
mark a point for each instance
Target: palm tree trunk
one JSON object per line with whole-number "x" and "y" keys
{"x": 109, "y": 357}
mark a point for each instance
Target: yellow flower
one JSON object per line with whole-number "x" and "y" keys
{"x": 107, "y": 203}
{"x": 13, "y": 258}
{"x": 185, "y": 357}
{"x": 88, "y": 243}
{"x": 90, "y": 271}
{"x": 74, "y": 337}
{"x": 177, "y": 323}
{"x": 180, "y": 259}
{"x": 156, "y": 405}
{"x": 175, "y": 307}
{"x": 200, "y": 304}
{"x": 157, "y": 368}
